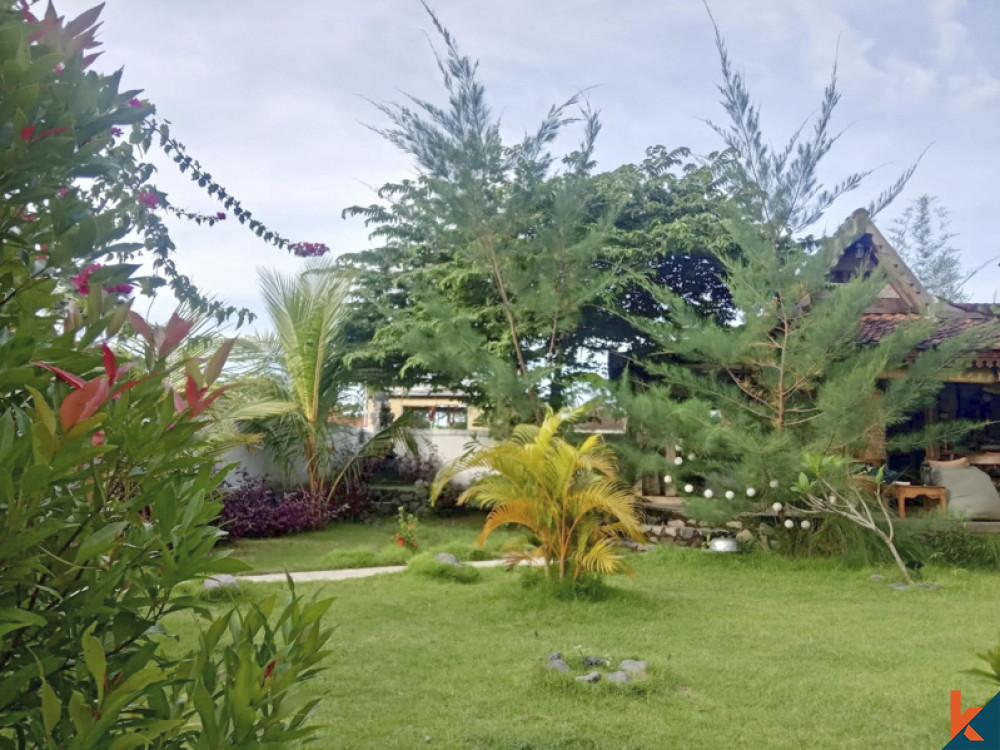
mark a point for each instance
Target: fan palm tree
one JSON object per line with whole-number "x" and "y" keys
{"x": 567, "y": 496}
{"x": 298, "y": 378}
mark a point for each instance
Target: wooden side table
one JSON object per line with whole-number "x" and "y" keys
{"x": 906, "y": 492}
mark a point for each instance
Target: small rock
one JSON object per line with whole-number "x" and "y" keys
{"x": 876, "y": 578}
{"x": 899, "y": 586}
{"x": 745, "y": 536}
{"x": 594, "y": 661}
{"x": 676, "y": 523}
{"x": 590, "y": 678}
{"x": 631, "y": 665}
{"x": 619, "y": 677}
{"x": 734, "y": 524}
{"x": 685, "y": 533}
{"x": 557, "y": 664}
{"x": 930, "y": 586}
{"x": 223, "y": 580}
{"x": 670, "y": 531}
{"x": 448, "y": 559}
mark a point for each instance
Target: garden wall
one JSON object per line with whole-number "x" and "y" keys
{"x": 447, "y": 445}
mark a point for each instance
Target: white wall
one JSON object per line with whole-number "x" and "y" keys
{"x": 446, "y": 444}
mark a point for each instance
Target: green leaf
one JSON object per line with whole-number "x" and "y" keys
{"x": 205, "y": 707}
{"x": 93, "y": 657}
{"x": 43, "y": 412}
{"x": 100, "y": 541}
{"x": 12, "y": 619}
{"x": 129, "y": 741}
{"x": 51, "y": 708}
{"x": 79, "y": 714}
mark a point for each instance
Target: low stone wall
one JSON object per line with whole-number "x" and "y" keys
{"x": 690, "y": 533}
{"x": 386, "y": 499}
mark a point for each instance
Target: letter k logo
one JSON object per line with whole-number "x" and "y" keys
{"x": 960, "y": 721}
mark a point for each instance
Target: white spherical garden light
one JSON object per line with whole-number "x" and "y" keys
{"x": 678, "y": 461}
{"x": 789, "y": 523}
{"x": 688, "y": 488}
{"x": 805, "y": 524}
{"x": 708, "y": 494}
{"x": 730, "y": 494}
{"x": 776, "y": 507}
{"x": 751, "y": 492}
{"x": 774, "y": 484}
{"x": 667, "y": 479}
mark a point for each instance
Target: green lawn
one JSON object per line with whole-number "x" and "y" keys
{"x": 745, "y": 652}
{"x": 354, "y": 545}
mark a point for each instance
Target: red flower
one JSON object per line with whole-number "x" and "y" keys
{"x": 116, "y": 132}
{"x": 98, "y": 438}
{"x": 60, "y": 67}
{"x": 400, "y": 541}
{"x": 148, "y": 199}
{"x": 134, "y": 102}
{"x": 26, "y": 133}
{"x": 62, "y": 192}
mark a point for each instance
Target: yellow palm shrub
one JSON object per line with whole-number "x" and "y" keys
{"x": 568, "y": 497}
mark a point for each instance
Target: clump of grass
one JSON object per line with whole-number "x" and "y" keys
{"x": 245, "y": 592}
{"x": 425, "y": 565}
{"x": 366, "y": 557}
{"x": 466, "y": 552}
{"x": 590, "y": 588}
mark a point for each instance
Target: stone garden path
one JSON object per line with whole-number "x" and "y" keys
{"x": 304, "y": 576}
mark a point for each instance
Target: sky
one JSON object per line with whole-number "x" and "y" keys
{"x": 274, "y": 97}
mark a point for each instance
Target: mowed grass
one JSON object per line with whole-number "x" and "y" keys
{"x": 356, "y": 545}
{"x": 745, "y": 652}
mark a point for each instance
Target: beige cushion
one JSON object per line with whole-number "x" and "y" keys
{"x": 970, "y": 492}
{"x": 963, "y": 461}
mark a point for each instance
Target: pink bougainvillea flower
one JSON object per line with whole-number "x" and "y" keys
{"x": 116, "y": 132}
{"x": 148, "y": 199}
{"x": 134, "y": 102}
{"x": 221, "y": 216}
{"x": 309, "y": 249}
{"x": 62, "y": 192}
{"x": 59, "y": 68}
{"x": 26, "y": 13}
{"x": 82, "y": 280}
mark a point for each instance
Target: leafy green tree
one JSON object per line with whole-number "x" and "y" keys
{"x": 789, "y": 376}
{"x": 489, "y": 252}
{"x": 107, "y": 493}
{"x": 922, "y": 237}
{"x": 301, "y": 393}
{"x": 502, "y": 277}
